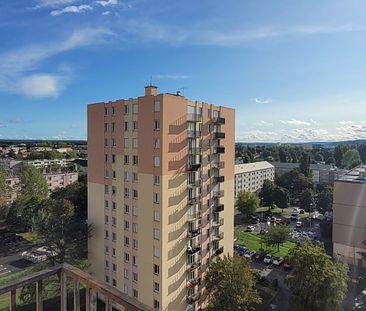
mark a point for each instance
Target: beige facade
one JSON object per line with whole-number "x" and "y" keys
{"x": 349, "y": 215}
{"x": 250, "y": 176}
{"x": 161, "y": 195}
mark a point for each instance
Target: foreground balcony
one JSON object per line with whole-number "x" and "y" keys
{"x": 194, "y": 150}
{"x": 218, "y": 222}
{"x": 193, "y": 200}
{"x": 219, "y": 135}
{"x": 193, "y": 297}
{"x": 193, "y": 282}
{"x": 66, "y": 272}
{"x": 218, "y": 236}
{"x": 194, "y": 117}
{"x": 220, "y": 150}
{"x": 219, "y": 251}
{"x": 193, "y": 232}
{"x": 218, "y": 207}
{"x": 193, "y": 167}
{"x": 194, "y": 134}
{"x": 218, "y": 179}
{"x": 219, "y": 120}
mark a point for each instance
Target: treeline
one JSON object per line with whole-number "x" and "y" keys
{"x": 39, "y": 155}
{"x": 343, "y": 155}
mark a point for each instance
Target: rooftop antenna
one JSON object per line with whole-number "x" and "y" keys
{"x": 151, "y": 78}
{"x": 182, "y": 89}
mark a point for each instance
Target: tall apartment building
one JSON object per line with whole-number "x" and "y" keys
{"x": 349, "y": 215}
{"x": 250, "y": 176}
{"x": 161, "y": 195}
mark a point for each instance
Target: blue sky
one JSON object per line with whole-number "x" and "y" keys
{"x": 293, "y": 70}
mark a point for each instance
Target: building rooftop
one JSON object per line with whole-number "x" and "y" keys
{"x": 250, "y": 167}
{"x": 290, "y": 166}
{"x": 356, "y": 175}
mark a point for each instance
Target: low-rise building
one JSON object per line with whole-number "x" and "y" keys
{"x": 250, "y": 176}
{"x": 349, "y": 215}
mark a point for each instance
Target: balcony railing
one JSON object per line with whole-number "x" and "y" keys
{"x": 193, "y": 265}
{"x": 193, "y": 282}
{"x": 194, "y": 150}
{"x": 218, "y": 194}
{"x": 219, "y": 135}
{"x": 193, "y": 249}
{"x": 193, "y": 232}
{"x": 218, "y": 207}
{"x": 193, "y": 166}
{"x": 193, "y": 200}
{"x": 194, "y": 117}
{"x": 218, "y": 236}
{"x": 194, "y": 183}
{"x": 220, "y": 150}
{"x": 218, "y": 222}
{"x": 193, "y": 216}
{"x": 93, "y": 288}
{"x": 219, "y": 120}
{"x": 193, "y": 297}
{"x": 219, "y": 251}
{"x": 218, "y": 165}
{"x": 194, "y": 134}
{"x": 218, "y": 179}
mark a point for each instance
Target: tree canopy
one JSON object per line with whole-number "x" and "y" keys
{"x": 307, "y": 201}
{"x": 277, "y": 235}
{"x": 317, "y": 282}
{"x": 266, "y": 192}
{"x": 325, "y": 199}
{"x": 32, "y": 184}
{"x": 230, "y": 283}
{"x": 351, "y": 159}
{"x": 247, "y": 202}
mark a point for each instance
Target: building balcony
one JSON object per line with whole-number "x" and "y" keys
{"x": 193, "y": 216}
{"x": 218, "y": 179}
{"x": 220, "y": 150}
{"x": 218, "y": 236}
{"x": 195, "y": 150}
{"x": 219, "y": 135}
{"x": 219, "y": 251}
{"x": 218, "y": 165}
{"x": 193, "y": 249}
{"x": 193, "y": 282}
{"x": 194, "y": 117}
{"x": 218, "y": 222}
{"x": 193, "y": 200}
{"x": 193, "y": 265}
{"x": 193, "y": 232}
{"x": 219, "y": 120}
{"x": 194, "y": 183}
{"x": 66, "y": 272}
{"x": 192, "y": 298}
{"x": 218, "y": 207}
{"x": 193, "y": 167}
{"x": 218, "y": 194}
{"x": 194, "y": 134}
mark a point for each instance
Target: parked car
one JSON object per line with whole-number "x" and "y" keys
{"x": 294, "y": 217}
{"x": 268, "y": 259}
{"x": 259, "y": 256}
{"x": 299, "y": 224}
{"x": 277, "y": 261}
{"x": 286, "y": 264}
{"x": 241, "y": 250}
{"x": 250, "y": 228}
{"x": 250, "y": 254}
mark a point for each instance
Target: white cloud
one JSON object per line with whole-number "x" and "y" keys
{"x": 18, "y": 67}
{"x": 295, "y": 122}
{"x": 107, "y": 2}
{"x": 106, "y": 13}
{"x": 313, "y": 121}
{"x": 53, "y": 3}
{"x": 40, "y": 85}
{"x": 170, "y": 77}
{"x": 72, "y": 9}
{"x": 263, "y": 123}
{"x": 2, "y": 125}
{"x": 262, "y": 101}
{"x": 346, "y": 122}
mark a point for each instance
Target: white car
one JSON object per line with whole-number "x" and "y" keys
{"x": 298, "y": 224}
{"x": 268, "y": 259}
{"x": 277, "y": 261}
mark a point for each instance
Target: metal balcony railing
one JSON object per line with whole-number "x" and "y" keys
{"x": 193, "y": 265}
{"x": 219, "y": 135}
{"x": 193, "y": 232}
{"x": 65, "y": 271}
{"x": 193, "y": 134}
{"x": 218, "y": 207}
{"x": 219, "y": 251}
{"x": 218, "y": 236}
{"x": 220, "y": 150}
{"x": 219, "y": 179}
{"x": 193, "y": 216}
{"x": 193, "y": 200}
{"x": 193, "y": 249}
{"x": 218, "y": 194}
{"x": 193, "y": 166}
{"x": 194, "y": 150}
{"x": 193, "y": 297}
{"x": 194, "y": 117}
{"x": 218, "y": 222}
{"x": 219, "y": 120}
{"x": 194, "y": 183}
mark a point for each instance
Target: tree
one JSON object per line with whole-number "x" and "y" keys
{"x": 266, "y": 193}
{"x": 32, "y": 184}
{"x": 281, "y": 197}
{"x": 318, "y": 158}
{"x": 307, "y": 200}
{"x": 351, "y": 159}
{"x": 339, "y": 150}
{"x": 305, "y": 164}
{"x": 362, "y": 152}
{"x": 283, "y": 154}
{"x": 247, "y": 202}
{"x": 230, "y": 282}
{"x": 325, "y": 199}
{"x": 277, "y": 235}
{"x": 3, "y": 188}
{"x": 317, "y": 282}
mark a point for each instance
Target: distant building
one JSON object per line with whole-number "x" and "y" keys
{"x": 322, "y": 173}
{"x": 349, "y": 217}
{"x": 250, "y": 176}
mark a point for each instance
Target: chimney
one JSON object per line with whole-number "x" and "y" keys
{"x": 151, "y": 90}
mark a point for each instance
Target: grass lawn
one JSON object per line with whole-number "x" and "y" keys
{"x": 278, "y": 212}
{"x": 29, "y": 236}
{"x": 253, "y": 242}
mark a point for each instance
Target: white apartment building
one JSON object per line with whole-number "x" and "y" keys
{"x": 250, "y": 176}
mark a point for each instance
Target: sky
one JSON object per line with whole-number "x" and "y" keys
{"x": 295, "y": 71}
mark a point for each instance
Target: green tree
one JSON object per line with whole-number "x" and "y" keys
{"x": 3, "y": 188}
{"x": 32, "y": 184}
{"x": 266, "y": 192}
{"x": 362, "y": 152}
{"x": 230, "y": 283}
{"x": 317, "y": 282}
{"x": 247, "y": 203}
{"x": 283, "y": 154}
{"x": 325, "y": 199}
{"x": 281, "y": 197}
{"x": 305, "y": 164}
{"x": 277, "y": 235}
{"x": 318, "y": 158}
{"x": 307, "y": 200}
{"x": 351, "y": 159}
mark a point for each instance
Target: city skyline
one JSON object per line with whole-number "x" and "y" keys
{"x": 293, "y": 72}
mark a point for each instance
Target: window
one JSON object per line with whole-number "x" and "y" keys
{"x": 157, "y": 215}
{"x": 106, "y": 173}
{"x": 134, "y": 276}
{"x": 156, "y": 251}
{"x": 135, "y": 194}
{"x": 156, "y": 233}
{"x": 135, "y": 211}
{"x": 126, "y": 109}
{"x": 106, "y": 158}
{"x": 157, "y": 106}
{"x": 135, "y": 244}
{"x": 114, "y": 221}
{"x": 157, "y": 124}
{"x": 127, "y": 192}
{"x": 114, "y": 205}
{"x": 113, "y": 251}
{"x": 106, "y": 220}
{"x": 126, "y": 143}
{"x": 106, "y": 203}
{"x": 105, "y": 111}
{"x": 125, "y": 273}
{"x": 107, "y": 264}
{"x": 134, "y": 260}
{"x": 157, "y": 143}
{"x": 106, "y": 234}
{"x": 127, "y": 257}
{"x": 126, "y": 126}
{"x": 156, "y": 180}
{"x": 135, "y": 108}
{"x": 114, "y": 282}
{"x": 135, "y": 293}
{"x": 156, "y": 197}
{"x": 127, "y": 209}
{"x": 135, "y": 125}
{"x": 113, "y": 158}
{"x": 127, "y": 241}
{"x": 114, "y": 236}
{"x": 114, "y": 174}
{"x": 156, "y": 269}
{"x": 127, "y": 159}
{"x": 105, "y": 142}
{"x": 105, "y": 127}
{"x": 107, "y": 279}
{"x": 134, "y": 227}
{"x": 113, "y": 127}
{"x": 106, "y": 249}
{"x": 114, "y": 144}
{"x": 157, "y": 161}
{"x": 134, "y": 143}
{"x": 135, "y": 176}
{"x": 113, "y": 110}
{"x": 156, "y": 287}
{"x": 114, "y": 267}
{"x": 127, "y": 225}
{"x": 113, "y": 190}
{"x": 125, "y": 289}
{"x": 126, "y": 176}
{"x": 156, "y": 304}
{"x": 106, "y": 189}
{"x": 135, "y": 160}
